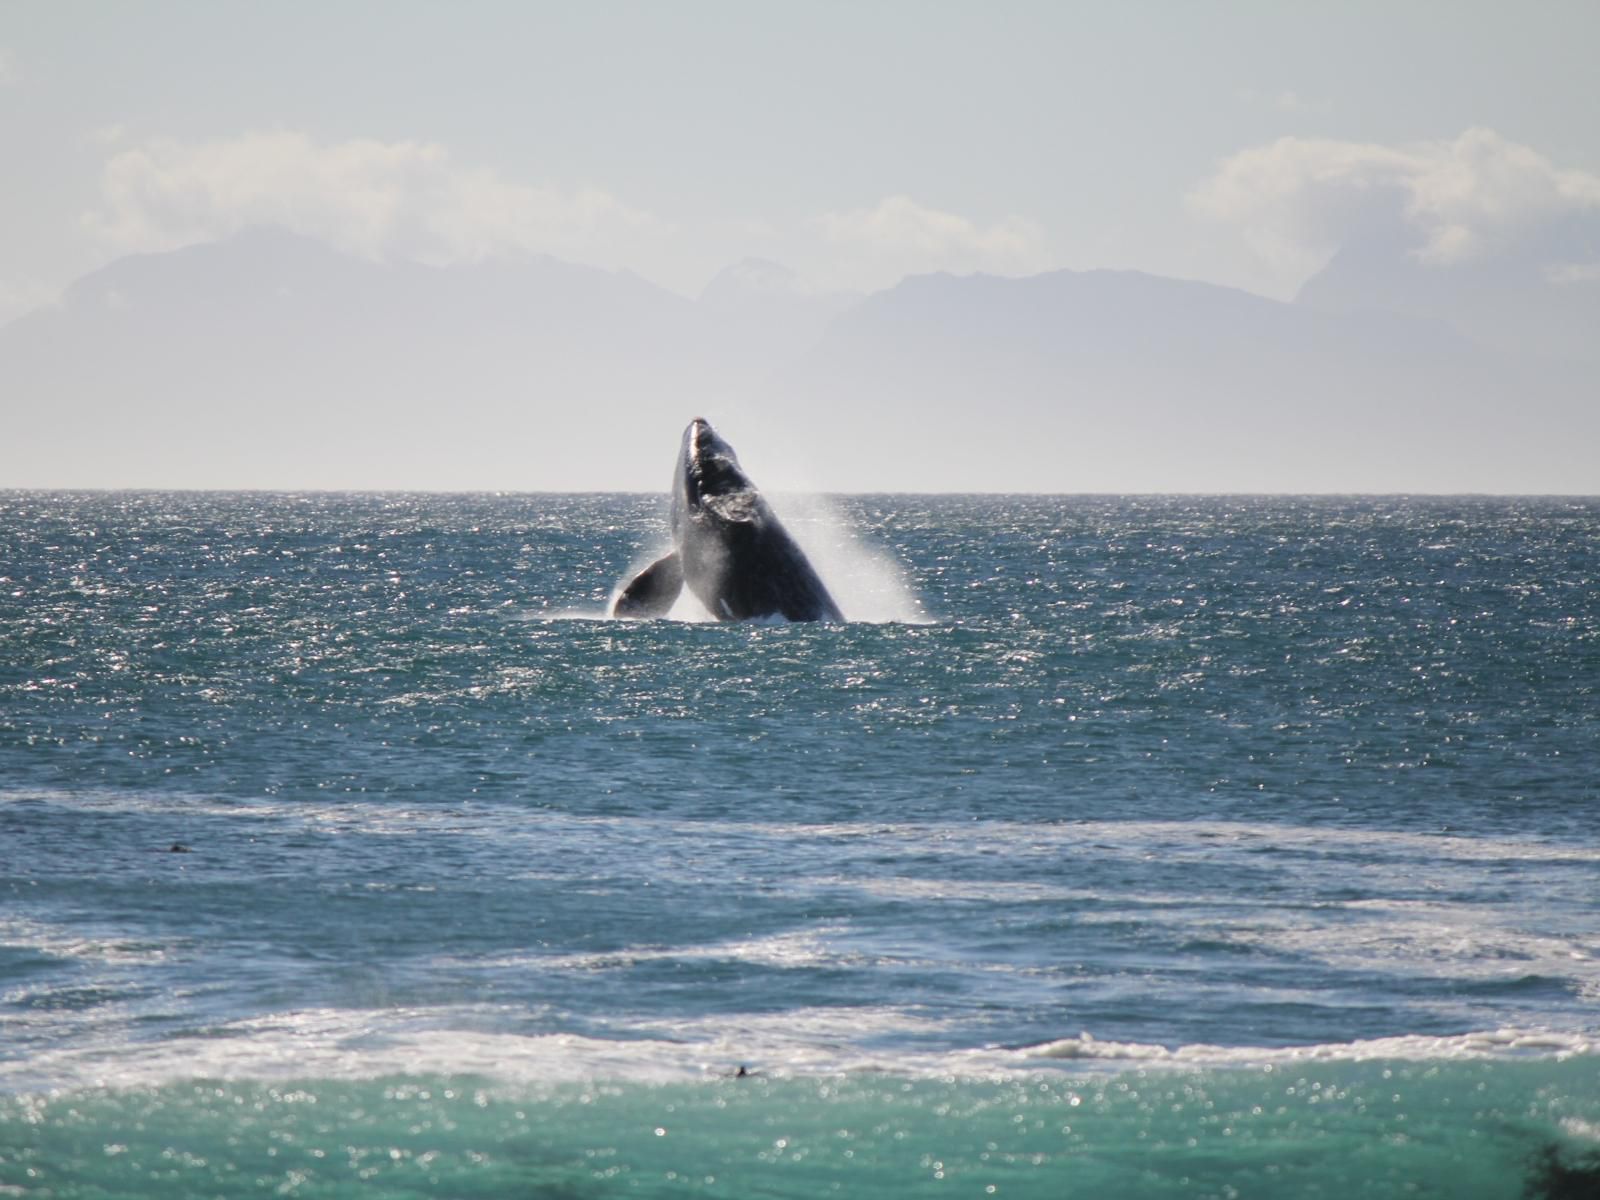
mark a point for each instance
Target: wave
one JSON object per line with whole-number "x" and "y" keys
{"x": 483, "y": 1041}
{"x": 1490, "y": 1116}
{"x": 1503, "y": 1044}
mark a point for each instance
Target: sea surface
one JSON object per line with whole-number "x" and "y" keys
{"x": 1128, "y": 847}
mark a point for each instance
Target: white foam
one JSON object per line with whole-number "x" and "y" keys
{"x": 1508, "y": 1043}
{"x": 355, "y": 1044}
{"x": 59, "y": 941}
{"x": 808, "y": 1042}
{"x": 1439, "y": 939}
{"x": 352, "y": 1044}
{"x": 571, "y": 614}
{"x": 1356, "y": 851}
{"x": 688, "y": 608}
{"x": 793, "y": 949}
{"x": 1581, "y": 1130}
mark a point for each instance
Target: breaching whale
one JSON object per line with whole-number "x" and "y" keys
{"x": 728, "y": 546}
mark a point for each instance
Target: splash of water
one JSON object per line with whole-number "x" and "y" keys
{"x": 868, "y": 583}
{"x": 686, "y": 608}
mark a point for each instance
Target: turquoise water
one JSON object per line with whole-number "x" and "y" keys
{"x": 1138, "y": 847}
{"x": 1330, "y": 1129}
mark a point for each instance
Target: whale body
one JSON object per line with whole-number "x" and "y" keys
{"x": 729, "y": 547}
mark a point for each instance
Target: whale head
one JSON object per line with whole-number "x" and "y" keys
{"x": 708, "y": 468}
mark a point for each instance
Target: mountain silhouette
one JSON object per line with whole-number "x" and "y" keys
{"x": 270, "y": 360}
{"x": 1121, "y": 381}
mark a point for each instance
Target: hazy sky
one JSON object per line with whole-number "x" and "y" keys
{"x": 855, "y": 142}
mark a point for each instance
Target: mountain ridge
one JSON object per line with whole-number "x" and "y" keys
{"x": 271, "y": 360}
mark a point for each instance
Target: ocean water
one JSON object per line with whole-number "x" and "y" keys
{"x": 1200, "y": 847}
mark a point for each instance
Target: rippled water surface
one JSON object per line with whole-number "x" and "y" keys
{"x": 341, "y": 790}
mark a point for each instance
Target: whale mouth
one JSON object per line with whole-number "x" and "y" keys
{"x": 703, "y": 442}
{"x": 710, "y": 467}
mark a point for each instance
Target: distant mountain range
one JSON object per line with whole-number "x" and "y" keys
{"x": 269, "y": 360}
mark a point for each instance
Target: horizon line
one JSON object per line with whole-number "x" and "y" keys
{"x": 143, "y": 490}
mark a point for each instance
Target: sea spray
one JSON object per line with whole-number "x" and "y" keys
{"x": 869, "y": 583}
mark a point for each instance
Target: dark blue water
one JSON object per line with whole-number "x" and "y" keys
{"x": 1157, "y": 846}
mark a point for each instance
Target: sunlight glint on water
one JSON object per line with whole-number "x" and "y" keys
{"x": 1262, "y": 828}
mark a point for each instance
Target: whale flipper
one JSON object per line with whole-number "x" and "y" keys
{"x": 653, "y": 591}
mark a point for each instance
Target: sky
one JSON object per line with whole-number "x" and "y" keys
{"x": 1236, "y": 143}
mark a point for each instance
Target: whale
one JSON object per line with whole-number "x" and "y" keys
{"x": 728, "y": 546}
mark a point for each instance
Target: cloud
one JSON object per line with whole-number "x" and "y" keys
{"x": 10, "y": 73}
{"x": 902, "y": 237}
{"x": 1298, "y": 200}
{"x": 1588, "y": 272}
{"x": 377, "y": 199}
{"x": 414, "y": 200}
{"x": 1284, "y": 101}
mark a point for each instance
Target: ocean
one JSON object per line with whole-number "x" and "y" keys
{"x": 1114, "y": 846}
